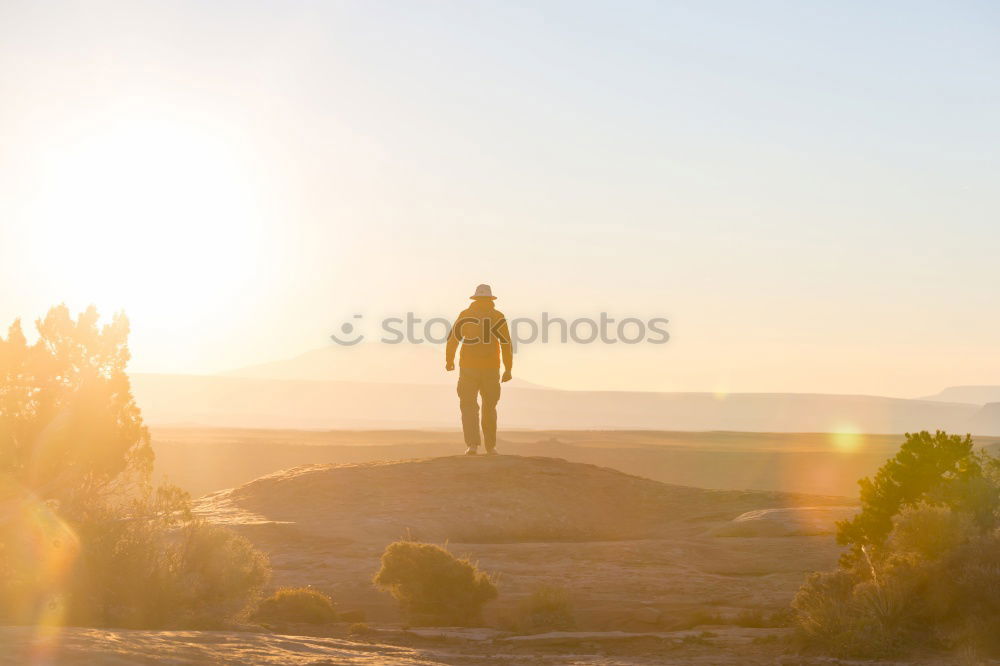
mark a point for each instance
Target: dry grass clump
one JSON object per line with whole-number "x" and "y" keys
{"x": 433, "y": 586}
{"x": 297, "y": 604}
{"x": 360, "y": 629}
{"x": 548, "y": 608}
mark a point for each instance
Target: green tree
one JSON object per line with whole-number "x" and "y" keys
{"x": 70, "y": 430}
{"x": 938, "y": 469}
{"x": 922, "y": 571}
{"x": 86, "y": 537}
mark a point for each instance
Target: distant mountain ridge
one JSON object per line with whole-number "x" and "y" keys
{"x": 977, "y": 395}
{"x": 373, "y": 385}
{"x": 365, "y": 362}
{"x": 313, "y": 404}
{"x": 986, "y": 419}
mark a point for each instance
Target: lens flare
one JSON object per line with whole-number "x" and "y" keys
{"x": 39, "y": 550}
{"x": 846, "y": 438}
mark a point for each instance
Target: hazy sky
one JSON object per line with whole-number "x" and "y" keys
{"x": 807, "y": 190}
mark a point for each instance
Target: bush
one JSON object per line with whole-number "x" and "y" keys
{"x": 948, "y": 604}
{"x": 353, "y": 616}
{"x": 359, "y": 629}
{"x": 854, "y": 619}
{"x": 147, "y": 574}
{"x": 963, "y": 596}
{"x": 548, "y": 608}
{"x": 146, "y": 565}
{"x": 215, "y": 575}
{"x": 86, "y": 539}
{"x": 929, "y": 532}
{"x": 822, "y": 606}
{"x": 297, "y": 604}
{"x": 924, "y": 565}
{"x": 941, "y": 469}
{"x": 433, "y": 586}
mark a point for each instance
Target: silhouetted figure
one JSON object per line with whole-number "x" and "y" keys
{"x": 483, "y": 332}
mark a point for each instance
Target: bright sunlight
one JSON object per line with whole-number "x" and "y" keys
{"x": 148, "y": 214}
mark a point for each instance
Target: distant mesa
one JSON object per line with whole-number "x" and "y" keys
{"x": 977, "y": 395}
{"x": 374, "y": 385}
{"x": 986, "y": 419}
{"x": 375, "y": 394}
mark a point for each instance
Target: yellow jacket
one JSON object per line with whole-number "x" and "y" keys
{"x": 483, "y": 332}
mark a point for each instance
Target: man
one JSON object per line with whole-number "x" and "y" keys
{"x": 483, "y": 332}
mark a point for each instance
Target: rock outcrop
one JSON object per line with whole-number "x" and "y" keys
{"x": 497, "y": 499}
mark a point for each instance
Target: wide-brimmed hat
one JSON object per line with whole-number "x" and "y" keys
{"x": 484, "y": 291}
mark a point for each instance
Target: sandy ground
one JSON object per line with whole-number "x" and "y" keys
{"x": 22, "y": 645}
{"x": 723, "y": 646}
{"x": 656, "y": 573}
{"x": 634, "y": 554}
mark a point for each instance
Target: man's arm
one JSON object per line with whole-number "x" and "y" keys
{"x": 506, "y": 350}
{"x": 452, "y": 346}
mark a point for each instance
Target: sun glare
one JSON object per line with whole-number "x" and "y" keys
{"x": 47, "y": 549}
{"x": 846, "y": 438}
{"x": 149, "y": 214}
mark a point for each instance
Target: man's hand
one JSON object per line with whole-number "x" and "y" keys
{"x": 449, "y": 366}
{"x": 506, "y": 376}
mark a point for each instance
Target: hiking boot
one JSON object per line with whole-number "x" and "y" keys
{"x": 471, "y": 451}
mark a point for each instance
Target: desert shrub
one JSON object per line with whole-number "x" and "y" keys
{"x": 215, "y": 575}
{"x": 855, "y": 618}
{"x": 359, "y": 629}
{"x": 142, "y": 575}
{"x": 548, "y": 608}
{"x": 822, "y": 606}
{"x": 929, "y": 532}
{"x": 353, "y": 616}
{"x": 297, "y": 604}
{"x": 924, "y": 566}
{"x": 939, "y": 469}
{"x": 963, "y": 595}
{"x": 86, "y": 538}
{"x": 912, "y": 603}
{"x": 433, "y": 586}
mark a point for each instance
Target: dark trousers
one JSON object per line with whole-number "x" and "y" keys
{"x": 473, "y": 382}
